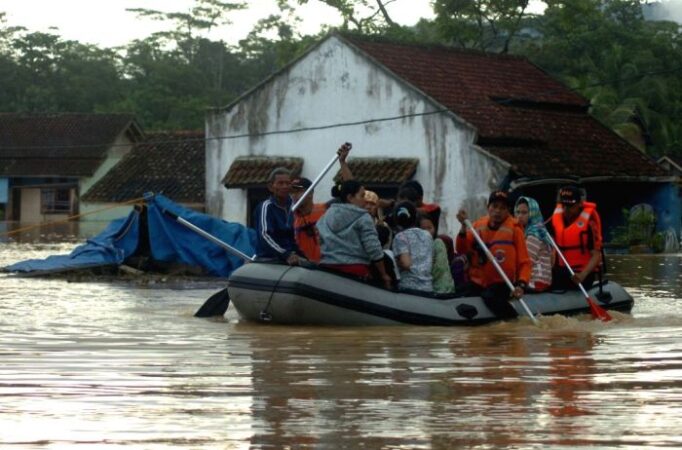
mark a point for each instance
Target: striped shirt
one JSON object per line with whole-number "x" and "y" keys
{"x": 540, "y": 255}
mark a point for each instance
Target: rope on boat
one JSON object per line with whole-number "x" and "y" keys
{"x": 264, "y": 314}
{"x": 139, "y": 200}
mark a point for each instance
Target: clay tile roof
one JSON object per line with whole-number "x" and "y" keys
{"x": 172, "y": 164}
{"x": 511, "y": 102}
{"x": 64, "y": 144}
{"x": 381, "y": 171}
{"x": 247, "y": 171}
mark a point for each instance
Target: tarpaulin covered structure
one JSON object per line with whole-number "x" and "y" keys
{"x": 153, "y": 231}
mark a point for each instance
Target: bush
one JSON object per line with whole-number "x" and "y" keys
{"x": 639, "y": 227}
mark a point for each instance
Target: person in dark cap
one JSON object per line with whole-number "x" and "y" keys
{"x": 576, "y": 228}
{"x": 413, "y": 191}
{"x": 305, "y": 219}
{"x": 506, "y": 241}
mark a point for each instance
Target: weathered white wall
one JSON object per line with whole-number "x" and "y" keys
{"x": 30, "y": 206}
{"x": 92, "y": 212}
{"x": 336, "y": 84}
{"x": 30, "y": 209}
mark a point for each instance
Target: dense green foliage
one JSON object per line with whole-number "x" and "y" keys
{"x": 639, "y": 229}
{"x": 629, "y": 68}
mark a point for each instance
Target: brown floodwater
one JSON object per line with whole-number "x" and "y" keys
{"x": 123, "y": 364}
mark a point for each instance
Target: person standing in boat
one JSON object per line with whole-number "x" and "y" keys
{"x": 576, "y": 228}
{"x": 348, "y": 238}
{"x": 309, "y": 212}
{"x": 540, "y": 251}
{"x": 505, "y": 240}
{"x": 275, "y": 221}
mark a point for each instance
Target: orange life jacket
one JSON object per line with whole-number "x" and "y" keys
{"x": 573, "y": 240}
{"x": 306, "y": 234}
{"x": 505, "y": 247}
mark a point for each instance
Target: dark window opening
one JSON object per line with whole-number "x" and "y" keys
{"x": 55, "y": 201}
{"x": 254, "y": 197}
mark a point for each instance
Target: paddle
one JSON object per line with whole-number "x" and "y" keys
{"x": 498, "y": 268}
{"x": 216, "y": 304}
{"x": 597, "y": 311}
{"x": 319, "y": 178}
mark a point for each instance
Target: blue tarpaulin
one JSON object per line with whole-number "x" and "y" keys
{"x": 169, "y": 242}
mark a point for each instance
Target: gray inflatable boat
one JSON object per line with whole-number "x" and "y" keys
{"x": 281, "y": 294}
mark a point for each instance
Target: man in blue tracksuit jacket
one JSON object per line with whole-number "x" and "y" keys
{"x": 275, "y": 221}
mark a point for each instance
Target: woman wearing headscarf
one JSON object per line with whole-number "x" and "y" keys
{"x": 540, "y": 251}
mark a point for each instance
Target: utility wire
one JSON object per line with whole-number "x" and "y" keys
{"x": 353, "y": 123}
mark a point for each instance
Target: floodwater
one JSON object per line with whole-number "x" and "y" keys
{"x": 124, "y": 365}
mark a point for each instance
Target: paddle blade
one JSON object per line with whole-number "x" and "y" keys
{"x": 216, "y": 305}
{"x": 597, "y": 311}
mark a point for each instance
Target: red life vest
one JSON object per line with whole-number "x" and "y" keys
{"x": 573, "y": 240}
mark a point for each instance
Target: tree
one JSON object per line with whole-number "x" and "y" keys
{"x": 188, "y": 27}
{"x": 363, "y": 16}
{"x": 489, "y": 25}
{"x": 628, "y": 68}
{"x": 47, "y": 73}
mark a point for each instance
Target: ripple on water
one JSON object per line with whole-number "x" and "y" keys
{"x": 117, "y": 364}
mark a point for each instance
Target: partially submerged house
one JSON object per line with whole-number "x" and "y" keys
{"x": 168, "y": 163}
{"x": 672, "y": 164}
{"x": 470, "y": 122}
{"x": 48, "y": 160}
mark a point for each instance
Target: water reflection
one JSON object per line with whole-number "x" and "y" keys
{"x": 118, "y": 364}
{"x": 431, "y": 389}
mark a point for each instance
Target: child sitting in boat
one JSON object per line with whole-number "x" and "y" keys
{"x": 413, "y": 248}
{"x": 440, "y": 271}
{"x": 348, "y": 238}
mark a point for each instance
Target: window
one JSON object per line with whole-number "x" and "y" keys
{"x": 55, "y": 201}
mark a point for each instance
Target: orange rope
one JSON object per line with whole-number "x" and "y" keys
{"x": 70, "y": 218}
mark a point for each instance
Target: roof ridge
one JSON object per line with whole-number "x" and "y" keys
{"x": 426, "y": 45}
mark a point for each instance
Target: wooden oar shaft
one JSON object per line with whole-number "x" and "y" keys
{"x": 498, "y": 268}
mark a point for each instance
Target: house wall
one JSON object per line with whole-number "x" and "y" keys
{"x": 4, "y": 190}
{"x": 31, "y": 208}
{"x": 335, "y": 84}
{"x": 90, "y": 211}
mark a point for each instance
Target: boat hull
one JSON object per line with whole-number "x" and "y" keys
{"x": 281, "y": 294}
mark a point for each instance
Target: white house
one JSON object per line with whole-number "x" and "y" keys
{"x": 47, "y": 161}
{"x": 469, "y": 122}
